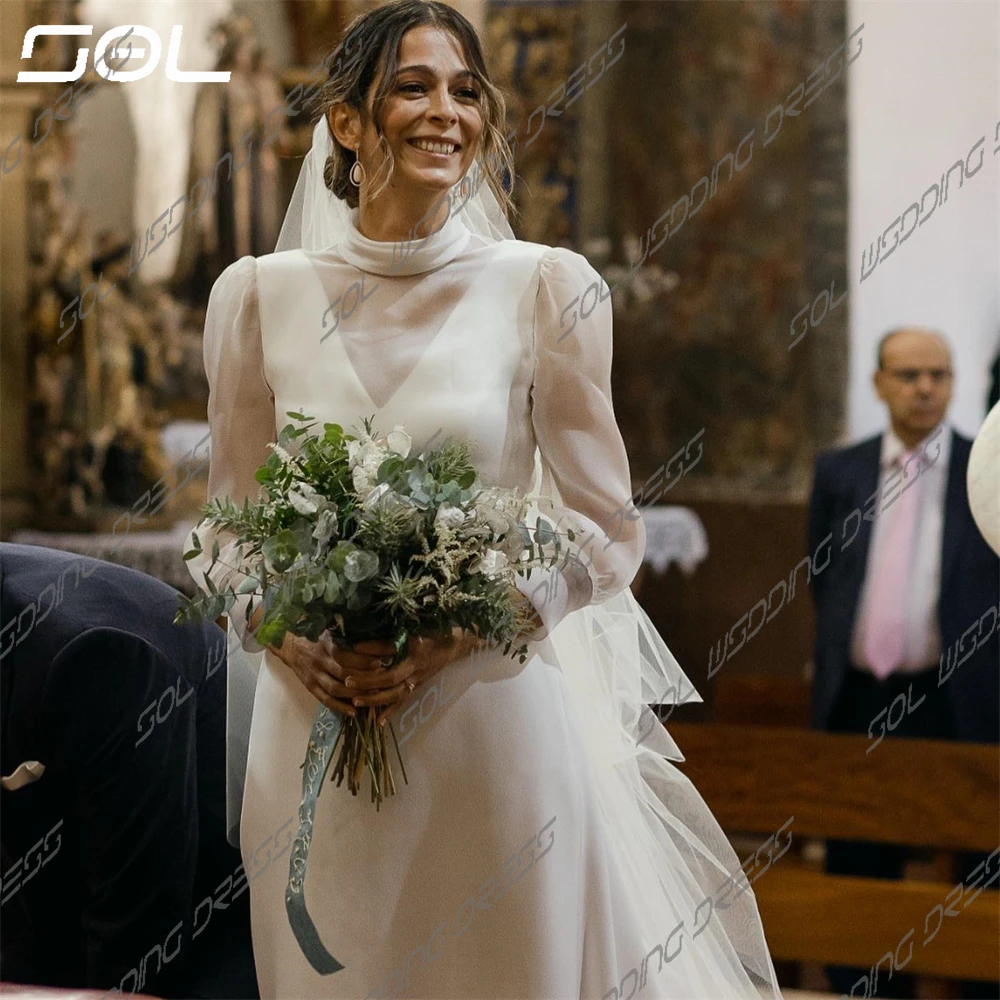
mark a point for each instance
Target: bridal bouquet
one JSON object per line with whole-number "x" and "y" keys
{"x": 361, "y": 539}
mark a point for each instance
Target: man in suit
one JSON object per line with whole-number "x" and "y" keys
{"x": 906, "y": 580}
{"x": 112, "y": 756}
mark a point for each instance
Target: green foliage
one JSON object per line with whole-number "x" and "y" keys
{"x": 385, "y": 560}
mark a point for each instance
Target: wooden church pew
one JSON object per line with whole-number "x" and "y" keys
{"x": 915, "y": 792}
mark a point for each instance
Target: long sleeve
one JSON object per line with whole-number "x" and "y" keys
{"x": 584, "y": 463}
{"x": 240, "y": 417}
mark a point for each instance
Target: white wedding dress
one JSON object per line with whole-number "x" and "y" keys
{"x": 499, "y": 870}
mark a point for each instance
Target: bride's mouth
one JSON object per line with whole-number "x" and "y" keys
{"x": 438, "y": 150}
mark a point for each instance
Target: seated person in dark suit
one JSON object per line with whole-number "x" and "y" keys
{"x": 907, "y": 593}
{"x": 112, "y": 754}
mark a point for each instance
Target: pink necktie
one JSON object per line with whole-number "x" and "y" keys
{"x": 885, "y": 635}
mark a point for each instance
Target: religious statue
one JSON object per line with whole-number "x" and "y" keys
{"x": 242, "y": 209}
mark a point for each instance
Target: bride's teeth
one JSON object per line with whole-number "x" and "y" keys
{"x": 434, "y": 147}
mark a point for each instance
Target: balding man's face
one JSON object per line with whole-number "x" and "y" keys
{"x": 915, "y": 381}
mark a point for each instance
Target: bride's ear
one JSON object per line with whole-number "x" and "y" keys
{"x": 345, "y": 124}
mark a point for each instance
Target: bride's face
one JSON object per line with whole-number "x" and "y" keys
{"x": 431, "y": 119}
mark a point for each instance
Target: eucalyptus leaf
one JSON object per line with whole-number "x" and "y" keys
{"x": 360, "y": 565}
{"x": 544, "y": 533}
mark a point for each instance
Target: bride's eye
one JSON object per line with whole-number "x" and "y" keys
{"x": 469, "y": 92}
{"x": 411, "y": 88}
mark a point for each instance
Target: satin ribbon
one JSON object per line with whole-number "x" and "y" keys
{"x": 326, "y": 728}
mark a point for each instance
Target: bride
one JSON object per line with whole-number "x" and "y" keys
{"x": 544, "y": 846}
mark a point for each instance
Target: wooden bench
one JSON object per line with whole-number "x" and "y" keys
{"x": 924, "y": 793}
{"x": 761, "y": 700}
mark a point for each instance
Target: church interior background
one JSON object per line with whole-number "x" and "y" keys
{"x": 106, "y": 267}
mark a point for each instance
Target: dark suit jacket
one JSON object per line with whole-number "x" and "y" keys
{"x": 845, "y": 481}
{"x": 108, "y": 854}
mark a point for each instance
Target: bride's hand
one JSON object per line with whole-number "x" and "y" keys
{"x": 426, "y": 656}
{"x": 323, "y": 667}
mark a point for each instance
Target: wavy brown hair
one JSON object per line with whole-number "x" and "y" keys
{"x": 370, "y": 44}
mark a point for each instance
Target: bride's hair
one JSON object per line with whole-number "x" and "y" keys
{"x": 379, "y": 33}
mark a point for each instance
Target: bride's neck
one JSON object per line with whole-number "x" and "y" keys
{"x": 385, "y": 221}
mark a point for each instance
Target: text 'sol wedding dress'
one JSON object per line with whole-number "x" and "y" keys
{"x": 536, "y": 852}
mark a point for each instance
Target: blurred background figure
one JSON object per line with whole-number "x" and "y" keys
{"x": 894, "y": 603}
{"x": 113, "y": 763}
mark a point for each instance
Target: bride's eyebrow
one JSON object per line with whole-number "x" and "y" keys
{"x": 430, "y": 71}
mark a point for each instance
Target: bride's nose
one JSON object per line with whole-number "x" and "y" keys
{"x": 442, "y": 106}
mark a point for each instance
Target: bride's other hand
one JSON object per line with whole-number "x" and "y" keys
{"x": 323, "y": 667}
{"x": 426, "y": 656}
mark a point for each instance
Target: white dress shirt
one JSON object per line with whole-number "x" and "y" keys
{"x": 922, "y": 645}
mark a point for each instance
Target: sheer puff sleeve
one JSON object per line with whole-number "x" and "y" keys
{"x": 585, "y": 471}
{"x": 240, "y": 417}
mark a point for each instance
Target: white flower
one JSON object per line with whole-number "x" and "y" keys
{"x": 371, "y": 461}
{"x": 357, "y": 450}
{"x": 399, "y": 441}
{"x": 302, "y": 504}
{"x": 362, "y": 482}
{"x": 367, "y": 458}
{"x": 375, "y": 496}
{"x": 326, "y": 526}
{"x": 282, "y": 454}
{"x": 490, "y": 563}
{"x": 449, "y": 516}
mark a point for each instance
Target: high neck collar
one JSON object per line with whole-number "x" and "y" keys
{"x": 404, "y": 256}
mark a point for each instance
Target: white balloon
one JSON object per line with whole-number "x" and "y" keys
{"x": 983, "y": 479}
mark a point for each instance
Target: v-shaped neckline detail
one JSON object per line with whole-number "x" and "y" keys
{"x": 349, "y": 364}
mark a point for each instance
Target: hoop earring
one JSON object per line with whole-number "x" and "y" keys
{"x": 357, "y": 173}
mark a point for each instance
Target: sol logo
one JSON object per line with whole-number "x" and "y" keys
{"x": 106, "y": 47}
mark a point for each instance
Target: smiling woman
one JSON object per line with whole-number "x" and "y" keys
{"x": 413, "y": 114}
{"x": 462, "y": 335}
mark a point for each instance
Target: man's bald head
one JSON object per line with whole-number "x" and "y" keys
{"x": 912, "y": 335}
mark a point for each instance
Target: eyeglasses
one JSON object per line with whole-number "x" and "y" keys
{"x": 910, "y": 376}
